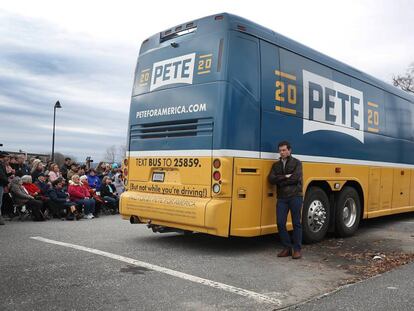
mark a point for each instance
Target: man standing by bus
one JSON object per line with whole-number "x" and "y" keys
{"x": 286, "y": 174}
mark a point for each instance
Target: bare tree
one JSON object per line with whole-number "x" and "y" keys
{"x": 405, "y": 82}
{"x": 110, "y": 154}
{"x": 59, "y": 158}
{"x": 122, "y": 152}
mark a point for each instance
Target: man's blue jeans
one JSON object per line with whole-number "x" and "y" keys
{"x": 88, "y": 205}
{"x": 294, "y": 205}
{"x": 113, "y": 201}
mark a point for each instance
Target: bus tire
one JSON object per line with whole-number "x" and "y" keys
{"x": 315, "y": 215}
{"x": 347, "y": 212}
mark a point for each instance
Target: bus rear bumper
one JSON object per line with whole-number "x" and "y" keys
{"x": 205, "y": 215}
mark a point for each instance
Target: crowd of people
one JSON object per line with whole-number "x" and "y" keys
{"x": 44, "y": 190}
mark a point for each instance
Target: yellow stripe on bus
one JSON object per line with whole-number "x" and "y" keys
{"x": 205, "y": 55}
{"x": 285, "y": 75}
{"x": 288, "y": 110}
{"x": 372, "y": 104}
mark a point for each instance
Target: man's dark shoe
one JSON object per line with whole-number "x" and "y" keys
{"x": 2, "y": 221}
{"x": 297, "y": 254}
{"x": 285, "y": 253}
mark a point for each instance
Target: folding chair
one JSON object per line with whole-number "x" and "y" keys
{"x": 20, "y": 211}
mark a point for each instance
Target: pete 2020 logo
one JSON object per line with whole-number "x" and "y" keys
{"x": 174, "y": 70}
{"x": 332, "y": 106}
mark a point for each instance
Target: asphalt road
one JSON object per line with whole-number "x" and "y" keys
{"x": 109, "y": 264}
{"x": 393, "y": 290}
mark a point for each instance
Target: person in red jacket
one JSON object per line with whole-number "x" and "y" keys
{"x": 28, "y": 184}
{"x": 79, "y": 194}
{"x": 94, "y": 196}
{"x": 36, "y": 193}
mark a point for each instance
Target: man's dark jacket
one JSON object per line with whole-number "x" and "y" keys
{"x": 105, "y": 192}
{"x": 56, "y": 195}
{"x": 4, "y": 181}
{"x": 20, "y": 169}
{"x": 287, "y": 187}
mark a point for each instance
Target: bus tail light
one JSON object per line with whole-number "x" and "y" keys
{"x": 125, "y": 172}
{"x": 216, "y": 175}
{"x": 241, "y": 28}
{"x": 216, "y": 163}
{"x": 126, "y": 162}
{"x": 216, "y": 188}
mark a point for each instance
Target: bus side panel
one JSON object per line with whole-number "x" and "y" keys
{"x": 385, "y": 193}
{"x": 412, "y": 189}
{"x": 268, "y": 216}
{"x": 247, "y": 197}
{"x": 374, "y": 190}
{"x": 401, "y": 190}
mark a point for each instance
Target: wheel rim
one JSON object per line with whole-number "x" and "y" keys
{"x": 349, "y": 212}
{"x": 316, "y": 216}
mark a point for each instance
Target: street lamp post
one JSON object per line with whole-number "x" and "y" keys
{"x": 57, "y": 105}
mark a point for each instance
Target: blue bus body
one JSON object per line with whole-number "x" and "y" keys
{"x": 239, "y": 92}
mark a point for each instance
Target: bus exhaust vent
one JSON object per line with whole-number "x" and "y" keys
{"x": 181, "y": 128}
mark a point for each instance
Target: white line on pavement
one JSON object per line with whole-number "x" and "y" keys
{"x": 228, "y": 288}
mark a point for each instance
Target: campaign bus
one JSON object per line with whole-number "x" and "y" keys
{"x": 211, "y": 100}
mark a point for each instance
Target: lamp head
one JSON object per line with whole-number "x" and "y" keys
{"x": 57, "y": 105}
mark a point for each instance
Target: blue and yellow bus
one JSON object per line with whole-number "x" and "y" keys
{"x": 211, "y": 100}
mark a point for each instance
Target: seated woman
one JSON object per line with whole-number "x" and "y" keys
{"x": 61, "y": 201}
{"x": 119, "y": 182}
{"x": 31, "y": 188}
{"x": 37, "y": 168}
{"x": 54, "y": 172}
{"x": 81, "y": 196}
{"x": 36, "y": 192}
{"x": 22, "y": 198}
{"x": 92, "y": 192}
{"x": 109, "y": 194}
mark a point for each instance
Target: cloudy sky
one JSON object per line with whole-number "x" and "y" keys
{"x": 83, "y": 53}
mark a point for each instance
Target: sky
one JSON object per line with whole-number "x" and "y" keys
{"x": 83, "y": 53}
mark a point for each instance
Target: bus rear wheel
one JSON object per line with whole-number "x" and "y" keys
{"x": 348, "y": 212}
{"x": 315, "y": 215}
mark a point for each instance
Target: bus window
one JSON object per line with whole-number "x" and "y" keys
{"x": 244, "y": 64}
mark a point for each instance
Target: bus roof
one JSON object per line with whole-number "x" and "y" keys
{"x": 233, "y": 22}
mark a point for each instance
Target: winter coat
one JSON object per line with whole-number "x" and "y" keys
{"x": 21, "y": 169}
{"x": 19, "y": 195}
{"x": 105, "y": 192}
{"x": 32, "y": 189}
{"x": 4, "y": 181}
{"x": 77, "y": 191}
{"x": 64, "y": 170}
{"x": 287, "y": 187}
{"x": 57, "y": 195}
{"x": 119, "y": 183}
{"x": 44, "y": 187}
{"x": 94, "y": 182}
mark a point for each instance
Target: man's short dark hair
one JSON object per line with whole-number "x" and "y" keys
{"x": 57, "y": 181}
{"x": 284, "y": 143}
{"x": 68, "y": 159}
